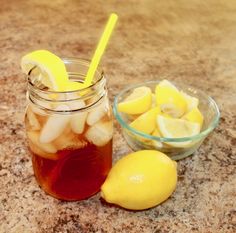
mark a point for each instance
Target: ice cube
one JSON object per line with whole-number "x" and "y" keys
{"x": 97, "y": 113}
{"x": 100, "y": 133}
{"x": 55, "y": 125}
{"x": 69, "y": 141}
{"x": 78, "y": 119}
{"x": 74, "y": 101}
{"x": 33, "y": 121}
{"x": 46, "y": 147}
{"x": 77, "y": 122}
{"x": 77, "y": 104}
{"x": 36, "y": 150}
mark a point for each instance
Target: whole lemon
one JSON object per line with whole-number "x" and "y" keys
{"x": 140, "y": 180}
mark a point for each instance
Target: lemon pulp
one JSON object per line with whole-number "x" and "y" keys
{"x": 52, "y": 68}
{"x": 194, "y": 116}
{"x": 177, "y": 128}
{"x": 192, "y": 102}
{"x": 170, "y": 101}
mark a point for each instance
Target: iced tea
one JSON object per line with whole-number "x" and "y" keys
{"x": 70, "y": 139}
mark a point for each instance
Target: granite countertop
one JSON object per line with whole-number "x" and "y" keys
{"x": 193, "y": 41}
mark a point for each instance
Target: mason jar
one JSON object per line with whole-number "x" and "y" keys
{"x": 69, "y": 133}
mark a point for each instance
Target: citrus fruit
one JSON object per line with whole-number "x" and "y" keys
{"x": 52, "y": 69}
{"x": 155, "y": 143}
{"x": 170, "y": 101}
{"x": 166, "y": 83}
{"x": 139, "y": 101}
{"x": 146, "y": 122}
{"x": 140, "y": 180}
{"x": 192, "y": 102}
{"x": 177, "y": 128}
{"x": 194, "y": 116}
{"x": 153, "y": 101}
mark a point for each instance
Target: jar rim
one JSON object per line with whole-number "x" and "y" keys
{"x": 76, "y": 69}
{"x": 67, "y": 60}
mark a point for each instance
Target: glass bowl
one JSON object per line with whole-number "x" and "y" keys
{"x": 138, "y": 140}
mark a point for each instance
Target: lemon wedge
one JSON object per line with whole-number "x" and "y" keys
{"x": 166, "y": 83}
{"x": 156, "y": 143}
{"x": 52, "y": 69}
{"x": 192, "y": 102}
{"x": 194, "y": 116}
{"x": 170, "y": 101}
{"x": 140, "y": 180}
{"x": 177, "y": 128}
{"x": 146, "y": 122}
{"x": 153, "y": 101}
{"x": 139, "y": 101}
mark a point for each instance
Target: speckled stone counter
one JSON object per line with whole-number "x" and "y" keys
{"x": 193, "y": 41}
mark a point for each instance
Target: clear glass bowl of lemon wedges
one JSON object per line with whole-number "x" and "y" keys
{"x": 165, "y": 116}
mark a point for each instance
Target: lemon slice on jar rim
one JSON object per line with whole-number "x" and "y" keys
{"x": 52, "y": 69}
{"x": 53, "y": 72}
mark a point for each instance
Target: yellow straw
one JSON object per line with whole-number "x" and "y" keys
{"x": 100, "y": 49}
